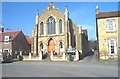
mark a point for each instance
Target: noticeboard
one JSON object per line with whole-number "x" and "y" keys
{"x": 70, "y": 50}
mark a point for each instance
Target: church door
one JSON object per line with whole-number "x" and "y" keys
{"x": 51, "y": 45}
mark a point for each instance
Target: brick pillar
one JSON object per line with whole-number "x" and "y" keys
{"x": 29, "y": 56}
{"x": 76, "y": 56}
{"x": 51, "y": 55}
{"x": 64, "y": 56}
{"x": 40, "y": 55}
{"x": 21, "y": 53}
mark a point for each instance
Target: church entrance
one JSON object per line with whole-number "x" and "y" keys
{"x": 51, "y": 45}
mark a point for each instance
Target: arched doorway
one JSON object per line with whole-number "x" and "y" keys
{"x": 51, "y": 45}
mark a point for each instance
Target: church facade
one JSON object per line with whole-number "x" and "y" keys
{"x": 54, "y": 32}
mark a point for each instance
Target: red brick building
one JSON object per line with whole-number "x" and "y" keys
{"x": 13, "y": 42}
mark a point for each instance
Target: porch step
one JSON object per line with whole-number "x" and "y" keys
{"x": 55, "y": 57}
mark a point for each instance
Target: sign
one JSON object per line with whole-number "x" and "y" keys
{"x": 70, "y": 50}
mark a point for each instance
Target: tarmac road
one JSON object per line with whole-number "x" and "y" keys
{"x": 88, "y": 67}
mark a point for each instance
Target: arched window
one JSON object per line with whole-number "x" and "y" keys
{"x": 51, "y": 25}
{"x": 60, "y": 26}
{"x": 41, "y": 29}
{"x": 61, "y": 45}
{"x": 41, "y": 46}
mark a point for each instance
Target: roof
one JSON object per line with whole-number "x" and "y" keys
{"x": 52, "y": 7}
{"x": 108, "y": 14}
{"x": 28, "y": 39}
{"x": 13, "y": 34}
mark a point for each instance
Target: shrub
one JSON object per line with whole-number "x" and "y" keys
{"x": 20, "y": 58}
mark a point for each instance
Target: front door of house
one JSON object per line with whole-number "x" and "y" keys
{"x": 51, "y": 46}
{"x": 112, "y": 47}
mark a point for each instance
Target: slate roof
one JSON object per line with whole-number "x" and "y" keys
{"x": 28, "y": 39}
{"x": 108, "y": 14}
{"x": 13, "y": 35}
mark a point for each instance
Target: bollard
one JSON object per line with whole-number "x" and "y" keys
{"x": 76, "y": 56}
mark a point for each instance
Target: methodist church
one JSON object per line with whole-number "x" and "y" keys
{"x": 55, "y": 31}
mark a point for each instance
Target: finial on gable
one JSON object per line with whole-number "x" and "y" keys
{"x": 66, "y": 8}
{"x": 97, "y": 9}
{"x": 1, "y": 26}
{"x": 1, "y": 29}
{"x": 51, "y": 3}
{"x": 37, "y": 12}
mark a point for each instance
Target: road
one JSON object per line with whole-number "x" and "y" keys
{"x": 88, "y": 67}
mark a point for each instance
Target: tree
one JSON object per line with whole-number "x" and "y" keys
{"x": 93, "y": 44}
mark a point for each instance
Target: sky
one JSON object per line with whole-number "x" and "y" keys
{"x": 21, "y": 15}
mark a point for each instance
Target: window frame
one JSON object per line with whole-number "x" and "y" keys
{"x": 51, "y": 26}
{"x": 61, "y": 45}
{"x": 6, "y": 41}
{"x": 110, "y": 45}
{"x": 41, "y": 46}
{"x": 41, "y": 28}
{"x": 108, "y": 29}
{"x": 6, "y": 50}
{"x": 60, "y": 26}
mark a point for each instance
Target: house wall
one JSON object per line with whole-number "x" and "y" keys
{"x": 119, "y": 36}
{"x": 105, "y": 36}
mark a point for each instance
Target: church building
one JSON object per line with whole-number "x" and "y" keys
{"x": 55, "y": 32}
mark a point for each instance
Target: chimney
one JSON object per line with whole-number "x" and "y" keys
{"x": 1, "y": 29}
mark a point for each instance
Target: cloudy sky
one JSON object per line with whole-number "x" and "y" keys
{"x": 21, "y": 15}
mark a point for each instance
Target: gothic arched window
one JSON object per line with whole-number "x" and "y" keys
{"x": 60, "y": 26}
{"x": 51, "y": 25}
{"x": 41, "y": 28}
{"x": 61, "y": 45}
{"x": 41, "y": 46}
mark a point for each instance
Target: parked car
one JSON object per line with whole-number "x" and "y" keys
{"x": 5, "y": 57}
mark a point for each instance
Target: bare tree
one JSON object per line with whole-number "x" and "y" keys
{"x": 93, "y": 44}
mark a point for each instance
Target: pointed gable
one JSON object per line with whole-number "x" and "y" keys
{"x": 51, "y": 7}
{"x": 51, "y": 10}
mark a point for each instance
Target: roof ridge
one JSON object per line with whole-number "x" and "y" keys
{"x": 13, "y": 31}
{"x": 110, "y": 11}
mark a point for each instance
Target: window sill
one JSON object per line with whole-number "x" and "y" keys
{"x": 113, "y": 54}
{"x": 6, "y": 43}
{"x": 111, "y": 31}
{"x": 42, "y": 35}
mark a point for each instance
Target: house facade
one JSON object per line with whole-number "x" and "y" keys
{"x": 108, "y": 35}
{"x": 55, "y": 31}
{"x": 14, "y": 42}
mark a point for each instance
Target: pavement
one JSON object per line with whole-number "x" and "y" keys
{"x": 88, "y": 67}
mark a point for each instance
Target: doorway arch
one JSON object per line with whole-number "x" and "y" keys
{"x": 51, "y": 45}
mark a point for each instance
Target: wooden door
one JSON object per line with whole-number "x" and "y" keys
{"x": 51, "y": 46}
